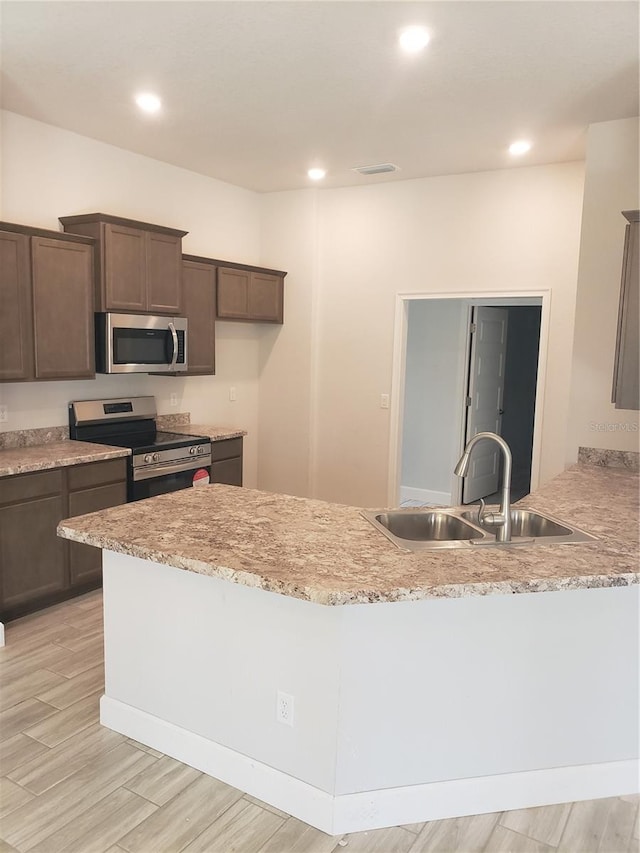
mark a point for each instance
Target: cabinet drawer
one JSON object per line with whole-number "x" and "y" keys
{"x": 227, "y": 471}
{"x": 226, "y": 449}
{"x": 95, "y": 473}
{"x": 25, "y": 487}
{"x": 93, "y": 500}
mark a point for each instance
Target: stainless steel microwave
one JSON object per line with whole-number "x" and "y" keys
{"x": 139, "y": 343}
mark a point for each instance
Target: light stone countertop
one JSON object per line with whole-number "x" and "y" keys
{"x": 329, "y": 554}
{"x": 55, "y": 454}
{"x": 53, "y": 450}
{"x": 206, "y": 430}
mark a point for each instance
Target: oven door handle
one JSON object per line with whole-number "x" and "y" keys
{"x": 164, "y": 468}
{"x": 174, "y": 337}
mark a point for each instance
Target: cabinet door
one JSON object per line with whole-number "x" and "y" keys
{"x": 265, "y": 297}
{"x": 62, "y": 274}
{"x": 32, "y": 557}
{"x": 626, "y": 378}
{"x": 226, "y": 465}
{"x": 124, "y": 268}
{"x": 227, "y": 471}
{"x": 199, "y": 294}
{"x": 233, "y": 294}
{"x": 164, "y": 273}
{"x": 16, "y": 327}
{"x": 85, "y": 562}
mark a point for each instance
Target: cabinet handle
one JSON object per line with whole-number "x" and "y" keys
{"x": 174, "y": 335}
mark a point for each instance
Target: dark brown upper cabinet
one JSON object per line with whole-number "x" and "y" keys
{"x": 46, "y": 292}
{"x": 199, "y": 291}
{"x": 626, "y": 378}
{"x": 250, "y": 294}
{"x": 138, "y": 265}
{"x": 16, "y": 321}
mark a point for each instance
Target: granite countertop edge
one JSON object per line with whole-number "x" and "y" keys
{"x": 361, "y": 596}
{"x": 214, "y": 433}
{"x": 62, "y": 454}
{"x": 297, "y": 547}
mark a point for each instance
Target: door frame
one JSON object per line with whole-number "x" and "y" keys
{"x": 504, "y": 297}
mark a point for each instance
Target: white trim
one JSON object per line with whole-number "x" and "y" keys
{"x": 543, "y": 352}
{"x": 508, "y": 297}
{"x": 424, "y": 496}
{"x": 483, "y": 795}
{"x": 1, "y": 634}
{"x": 398, "y": 374}
{"x": 463, "y": 391}
{"x": 272, "y": 786}
{"x": 372, "y": 809}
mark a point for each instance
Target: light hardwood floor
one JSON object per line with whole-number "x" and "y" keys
{"x": 69, "y": 784}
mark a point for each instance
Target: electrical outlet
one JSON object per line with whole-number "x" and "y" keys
{"x": 233, "y": 396}
{"x": 384, "y": 401}
{"x": 173, "y": 399}
{"x": 4, "y": 414}
{"x": 284, "y": 708}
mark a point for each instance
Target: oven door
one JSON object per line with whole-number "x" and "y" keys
{"x": 169, "y": 481}
{"x": 134, "y": 343}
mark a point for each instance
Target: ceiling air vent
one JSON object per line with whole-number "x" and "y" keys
{"x": 378, "y": 169}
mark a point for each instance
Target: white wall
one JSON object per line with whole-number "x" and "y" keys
{"x": 48, "y": 172}
{"x": 512, "y": 230}
{"x": 431, "y": 433}
{"x": 611, "y": 185}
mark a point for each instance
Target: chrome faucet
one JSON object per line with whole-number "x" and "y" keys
{"x": 502, "y": 518}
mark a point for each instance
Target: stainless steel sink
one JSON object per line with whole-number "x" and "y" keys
{"x": 526, "y": 524}
{"x": 427, "y": 530}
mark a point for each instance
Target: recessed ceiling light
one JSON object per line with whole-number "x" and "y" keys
{"x": 414, "y": 39}
{"x": 148, "y": 102}
{"x": 317, "y": 174}
{"x": 516, "y": 149}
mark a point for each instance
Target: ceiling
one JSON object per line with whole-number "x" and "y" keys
{"x": 254, "y": 93}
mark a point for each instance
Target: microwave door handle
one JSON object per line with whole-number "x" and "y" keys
{"x": 174, "y": 336}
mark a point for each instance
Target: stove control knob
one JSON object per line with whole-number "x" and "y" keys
{"x": 192, "y": 451}
{"x": 200, "y": 449}
{"x": 156, "y": 457}
{"x": 148, "y": 457}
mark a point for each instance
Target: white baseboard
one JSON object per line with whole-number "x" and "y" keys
{"x": 424, "y": 496}
{"x": 336, "y": 815}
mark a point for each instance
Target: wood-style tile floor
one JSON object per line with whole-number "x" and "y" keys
{"x": 69, "y": 784}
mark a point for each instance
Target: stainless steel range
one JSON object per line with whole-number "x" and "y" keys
{"x": 160, "y": 462}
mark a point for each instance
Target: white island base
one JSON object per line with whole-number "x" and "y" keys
{"x": 402, "y": 712}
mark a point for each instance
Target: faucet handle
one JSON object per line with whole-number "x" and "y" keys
{"x": 481, "y": 509}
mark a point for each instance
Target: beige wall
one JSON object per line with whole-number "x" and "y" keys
{"x": 611, "y": 185}
{"x": 500, "y": 231}
{"x": 48, "y": 172}
{"x": 287, "y": 353}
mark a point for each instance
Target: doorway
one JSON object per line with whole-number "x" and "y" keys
{"x": 436, "y": 407}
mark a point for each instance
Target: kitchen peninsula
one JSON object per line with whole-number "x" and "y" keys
{"x": 286, "y": 647}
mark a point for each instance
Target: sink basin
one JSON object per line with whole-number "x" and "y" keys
{"x": 426, "y": 529}
{"x": 526, "y": 524}
{"x": 430, "y": 526}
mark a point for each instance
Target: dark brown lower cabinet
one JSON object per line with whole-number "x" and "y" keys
{"x": 32, "y": 558}
{"x": 226, "y": 461}
{"x": 90, "y": 488}
{"x": 37, "y": 568}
